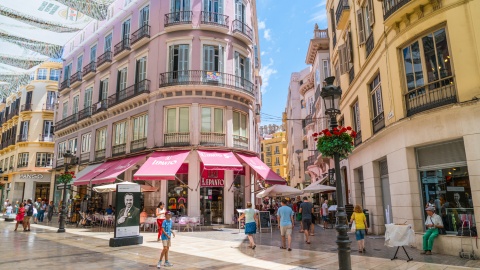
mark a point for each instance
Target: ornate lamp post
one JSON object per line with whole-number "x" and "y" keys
{"x": 331, "y": 95}
{"x": 67, "y": 157}
{"x": 299, "y": 152}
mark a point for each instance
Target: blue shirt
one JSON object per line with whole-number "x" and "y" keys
{"x": 285, "y": 213}
{"x": 167, "y": 228}
{"x": 109, "y": 211}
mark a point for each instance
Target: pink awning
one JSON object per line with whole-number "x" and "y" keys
{"x": 219, "y": 160}
{"x": 114, "y": 170}
{"x": 94, "y": 171}
{"x": 161, "y": 166}
{"x": 263, "y": 170}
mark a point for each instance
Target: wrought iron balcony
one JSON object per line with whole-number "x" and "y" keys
{"x": 341, "y": 15}
{"x": 122, "y": 46}
{"x": 391, "y": 6}
{"x": 100, "y": 155}
{"x": 309, "y": 120}
{"x": 13, "y": 113}
{"x": 240, "y": 142}
{"x": 129, "y": 92}
{"x": 104, "y": 58}
{"x": 100, "y": 106}
{"x": 213, "y": 18}
{"x": 76, "y": 78}
{"x": 85, "y": 113}
{"x": 378, "y": 122}
{"x": 22, "y": 138}
{"x": 358, "y": 140}
{"x": 142, "y": 32}
{"x": 22, "y": 164}
{"x": 176, "y": 139}
{"x": 432, "y": 95}
{"x": 369, "y": 44}
{"x": 241, "y": 27}
{"x": 138, "y": 145}
{"x": 64, "y": 85}
{"x": 212, "y": 139}
{"x": 202, "y": 77}
{"x": 119, "y": 149}
{"x": 85, "y": 157}
{"x": 89, "y": 69}
{"x": 45, "y": 138}
{"x": 26, "y": 107}
{"x": 70, "y": 120}
{"x": 179, "y": 17}
{"x": 48, "y": 107}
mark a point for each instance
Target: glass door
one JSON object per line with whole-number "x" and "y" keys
{"x": 211, "y": 205}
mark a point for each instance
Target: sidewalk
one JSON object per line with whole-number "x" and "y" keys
{"x": 225, "y": 249}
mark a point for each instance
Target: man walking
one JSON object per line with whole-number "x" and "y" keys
{"x": 285, "y": 223}
{"x": 306, "y": 209}
{"x": 28, "y": 215}
{"x": 325, "y": 214}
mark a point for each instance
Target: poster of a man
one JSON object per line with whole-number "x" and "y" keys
{"x": 130, "y": 215}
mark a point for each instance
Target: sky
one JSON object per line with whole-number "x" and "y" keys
{"x": 285, "y": 28}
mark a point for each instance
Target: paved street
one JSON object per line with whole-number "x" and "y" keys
{"x": 225, "y": 249}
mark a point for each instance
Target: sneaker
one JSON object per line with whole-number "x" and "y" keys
{"x": 159, "y": 264}
{"x": 168, "y": 264}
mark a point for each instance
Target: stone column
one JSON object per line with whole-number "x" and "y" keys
{"x": 247, "y": 191}
{"x": 228, "y": 198}
{"x": 194, "y": 125}
{"x": 251, "y": 131}
{"x": 193, "y": 178}
{"x": 373, "y": 197}
{"x": 472, "y": 151}
{"x": 229, "y": 129}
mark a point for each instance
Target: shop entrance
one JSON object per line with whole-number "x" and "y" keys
{"x": 211, "y": 205}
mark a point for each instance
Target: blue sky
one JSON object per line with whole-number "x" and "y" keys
{"x": 285, "y": 29}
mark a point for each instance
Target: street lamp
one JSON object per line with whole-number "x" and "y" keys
{"x": 331, "y": 96}
{"x": 298, "y": 152}
{"x": 67, "y": 157}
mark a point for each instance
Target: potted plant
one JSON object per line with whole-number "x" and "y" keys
{"x": 66, "y": 177}
{"x": 339, "y": 140}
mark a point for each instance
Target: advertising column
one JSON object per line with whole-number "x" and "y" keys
{"x": 127, "y": 220}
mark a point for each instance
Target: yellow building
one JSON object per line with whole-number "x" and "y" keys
{"x": 26, "y": 150}
{"x": 409, "y": 71}
{"x": 274, "y": 152}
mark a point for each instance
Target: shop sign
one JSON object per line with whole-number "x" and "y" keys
{"x": 212, "y": 182}
{"x": 31, "y": 176}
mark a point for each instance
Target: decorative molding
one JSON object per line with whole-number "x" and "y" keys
{"x": 419, "y": 11}
{"x": 436, "y": 4}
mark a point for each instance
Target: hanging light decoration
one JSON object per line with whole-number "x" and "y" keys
{"x": 14, "y": 81}
{"x": 96, "y": 9}
{"x": 44, "y": 48}
{"x": 20, "y": 61}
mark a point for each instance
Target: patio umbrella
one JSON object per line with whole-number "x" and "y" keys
{"x": 113, "y": 187}
{"x": 317, "y": 187}
{"x": 279, "y": 190}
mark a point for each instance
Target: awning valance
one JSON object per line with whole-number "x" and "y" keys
{"x": 219, "y": 160}
{"x": 161, "y": 166}
{"x": 263, "y": 170}
{"x": 84, "y": 176}
{"x": 113, "y": 171}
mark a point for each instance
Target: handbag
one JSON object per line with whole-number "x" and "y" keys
{"x": 354, "y": 226}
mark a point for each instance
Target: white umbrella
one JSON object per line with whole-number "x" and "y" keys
{"x": 279, "y": 190}
{"x": 113, "y": 187}
{"x": 317, "y": 187}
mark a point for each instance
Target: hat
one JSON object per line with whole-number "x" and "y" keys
{"x": 430, "y": 208}
{"x": 168, "y": 213}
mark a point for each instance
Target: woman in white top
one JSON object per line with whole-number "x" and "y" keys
{"x": 160, "y": 213}
{"x": 251, "y": 219}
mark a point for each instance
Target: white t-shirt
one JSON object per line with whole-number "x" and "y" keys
{"x": 324, "y": 209}
{"x": 9, "y": 210}
{"x": 161, "y": 212}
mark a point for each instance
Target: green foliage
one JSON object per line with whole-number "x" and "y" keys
{"x": 65, "y": 178}
{"x": 339, "y": 140}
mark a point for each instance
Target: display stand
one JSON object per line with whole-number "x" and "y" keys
{"x": 265, "y": 221}
{"x": 399, "y": 236}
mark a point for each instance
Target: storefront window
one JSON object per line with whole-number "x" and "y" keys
{"x": 449, "y": 191}
{"x": 177, "y": 195}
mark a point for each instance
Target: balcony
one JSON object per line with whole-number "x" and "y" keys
{"x": 26, "y": 107}
{"x": 48, "y": 107}
{"x": 202, "y": 77}
{"x": 100, "y": 106}
{"x": 138, "y": 145}
{"x": 129, "y": 92}
{"x": 311, "y": 160}
{"x": 342, "y": 14}
{"x": 45, "y": 138}
{"x": 178, "y": 20}
{"x": 378, "y": 122}
{"x": 89, "y": 70}
{"x": 100, "y": 155}
{"x": 240, "y": 142}
{"x": 268, "y": 163}
{"x": 84, "y": 157}
{"x": 358, "y": 140}
{"x": 121, "y": 49}
{"x": 214, "y": 21}
{"x": 70, "y": 120}
{"x": 176, "y": 139}
{"x": 391, "y": 6}
{"x": 309, "y": 120}
{"x": 242, "y": 31}
{"x": 104, "y": 61}
{"x": 85, "y": 113}
{"x": 119, "y": 149}
{"x": 22, "y": 165}
{"x": 13, "y": 113}
{"x": 8, "y": 142}
{"x": 64, "y": 85}
{"x": 76, "y": 79}
{"x": 369, "y": 45}
{"x": 141, "y": 36}
{"x": 432, "y": 95}
{"x": 22, "y": 138}
{"x": 212, "y": 139}
{"x": 268, "y": 153}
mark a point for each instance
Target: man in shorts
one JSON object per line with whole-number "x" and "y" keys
{"x": 325, "y": 214}
{"x": 285, "y": 223}
{"x": 29, "y": 207}
{"x": 306, "y": 209}
{"x": 166, "y": 236}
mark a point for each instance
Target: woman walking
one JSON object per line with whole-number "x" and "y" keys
{"x": 20, "y": 215}
{"x": 50, "y": 209}
{"x": 160, "y": 213}
{"x": 360, "y": 225}
{"x": 251, "y": 219}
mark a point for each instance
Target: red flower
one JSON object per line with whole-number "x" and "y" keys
{"x": 349, "y": 128}
{"x": 343, "y": 130}
{"x": 335, "y": 129}
{"x": 326, "y": 130}
{"x": 315, "y": 139}
{"x": 336, "y": 133}
{"x": 328, "y": 134}
{"x": 353, "y": 134}
{"x": 315, "y": 134}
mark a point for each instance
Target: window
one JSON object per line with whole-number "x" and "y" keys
{"x": 122, "y": 79}
{"x": 75, "y": 105}
{"x": 376, "y": 95}
{"x": 24, "y": 131}
{"x": 212, "y": 9}
{"x": 435, "y": 63}
{"x": 140, "y": 127}
{"x": 108, "y": 43}
{"x": 44, "y": 160}
{"x": 61, "y": 150}
{"x": 32, "y": 76}
{"x": 93, "y": 53}
{"x": 278, "y": 171}
{"x": 144, "y": 16}
{"x": 126, "y": 32}
{"x": 326, "y": 70}
{"x": 212, "y": 120}
{"x": 103, "y": 93}
{"x": 178, "y": 120}
{"x": 51, "y": 97}
{"x": 86, "y": 139}
{"x": 240, "y": 11}
{"x": 179, "y": 5}
{"x": 213, "y": 58}
{"x": 242, "y": 69}
{"x": 101, "y": 138}
{"x": 42, "y": 74}
{"x": 54, "y": 74}
{"x": 11, "y": 161}
{"x": 87, "y": 101}
{"x": 79, "y": 63}
{"x": 356, "y": 117}
{"x": 179, "y": 55}
{"x": 22, "y": 160}
{"x": 277, "y": 150}
{"x": 239, "y": 124}
{"x": 141, "y": 71}
{"x": 120, "y": 133}
{"x": 82, "y": 37}
{"x": 72, "y": 146}
{"x": 65, "y": 109}
{"x": 365, "y": 21}
{"x": 48, "y": 130}
{"x": 67, "y": 72}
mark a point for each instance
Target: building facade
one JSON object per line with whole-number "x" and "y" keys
{"x": 274, "y": 153}
{"x": 409, "y": 75}
{"x": 269, "y": 129}
{"x": 27, "y": 147}
{"x": 165, "y": 76}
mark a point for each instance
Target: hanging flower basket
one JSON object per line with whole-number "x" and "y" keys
{"x": 66, "y": 177}
{"x": 340, "y": 141}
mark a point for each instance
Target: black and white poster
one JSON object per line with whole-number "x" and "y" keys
{"x": 127, "y": 220}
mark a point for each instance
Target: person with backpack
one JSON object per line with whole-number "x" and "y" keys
{"x": 29, "y": 213}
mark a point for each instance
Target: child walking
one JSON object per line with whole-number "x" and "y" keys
{"x": 166, "y": 235}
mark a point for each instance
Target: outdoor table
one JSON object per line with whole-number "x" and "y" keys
{"x": 399, "y": 235}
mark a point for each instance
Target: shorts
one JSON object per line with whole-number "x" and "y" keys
{"x": 306, "y": 224}
{"x": 26, "y": 219}
{"x": 286, "y": 230}
{"x": 167, "y": 243}
{"x": 325, "y": 218}
{"x": 313, "y": 219}
{"x": 360, "y": 234}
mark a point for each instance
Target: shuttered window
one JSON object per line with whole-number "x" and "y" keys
{"x": 442, "y": 155}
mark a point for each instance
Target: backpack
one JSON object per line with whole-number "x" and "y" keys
{"x": 30, "y": 210}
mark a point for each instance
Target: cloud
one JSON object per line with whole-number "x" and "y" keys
{"x": 261, "y": 25}
{"x": 263, "y": 53}
{"x": 266, "y": 35}
{"x": 320, "y": 14}
{"x": 265, "y": 72}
